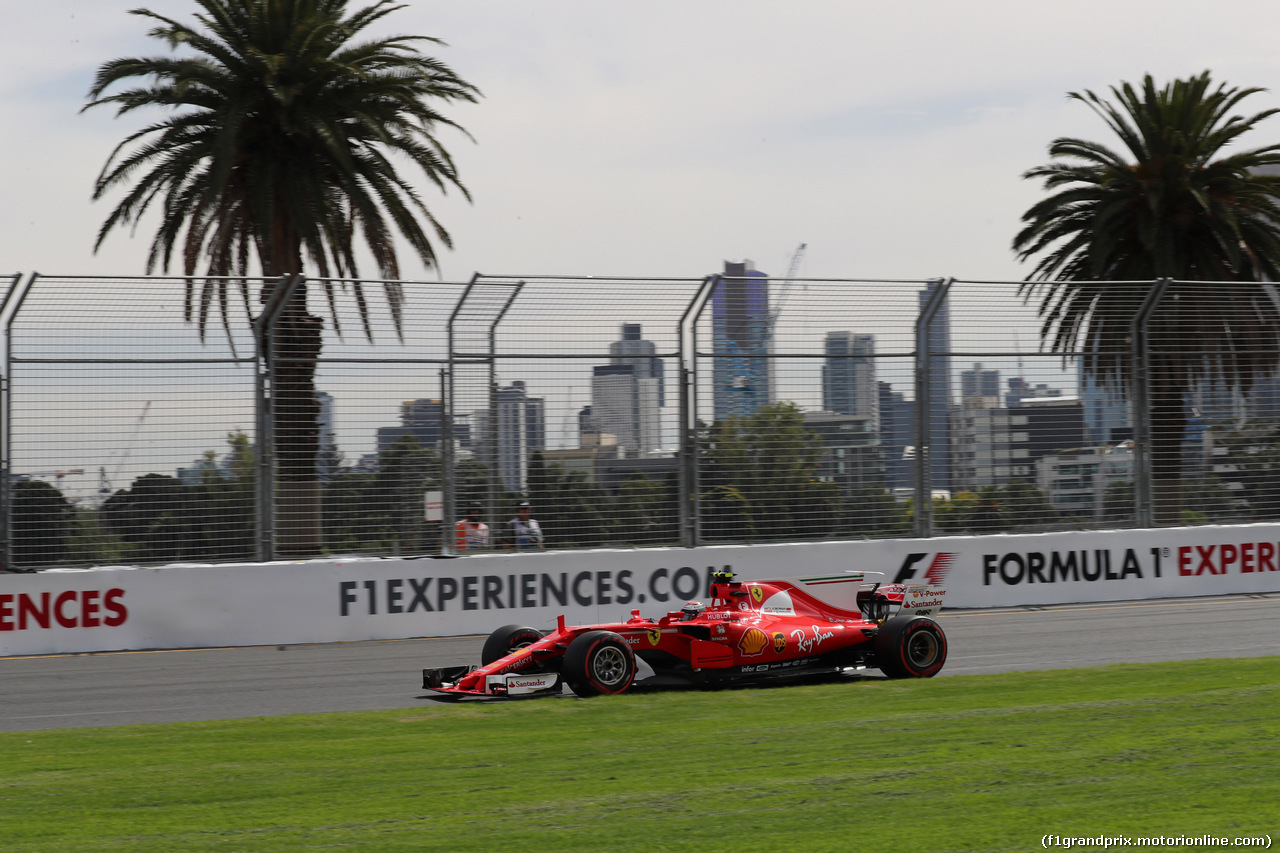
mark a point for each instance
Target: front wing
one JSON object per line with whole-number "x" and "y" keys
{"x": 444, "y": 681}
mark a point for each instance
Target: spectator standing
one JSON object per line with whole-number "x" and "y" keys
{"x": 525, "y": 532}
{"x": 471, "y": 534}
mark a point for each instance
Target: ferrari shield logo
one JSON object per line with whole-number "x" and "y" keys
{"x": 655, "y": 635}
{"x": 757, "y": 593}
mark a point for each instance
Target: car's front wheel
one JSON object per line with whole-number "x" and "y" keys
{"x": 599, "y": 662}
{"x": 508, "y": 639}
{"x": 916, "y": 648}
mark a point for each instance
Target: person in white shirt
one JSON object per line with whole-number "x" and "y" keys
{"x": 525, "y": 534}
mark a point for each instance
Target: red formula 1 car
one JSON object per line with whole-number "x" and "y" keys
{"x": 750, "y": 631}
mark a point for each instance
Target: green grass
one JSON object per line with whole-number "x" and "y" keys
{"x": 964, "y": 763}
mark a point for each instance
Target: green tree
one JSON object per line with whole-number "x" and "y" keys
{"x": 405, "y": 472}
{"x": 764, "y": 465}
{"x": 284, "y": 130}
{"x": 566, "y": 504}
{"x": 1171, "y": 204}
{"x": 42, "y": 520}
{"x": 995, "y": 509}
{"x": 647, "y": 511}
{"x": 873, "y": 511}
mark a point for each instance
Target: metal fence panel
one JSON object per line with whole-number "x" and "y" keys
{"x": 1212, "y": 402}
{"x": 129, "y": 433}
{"x": 1041, "y": 436}
{"x": 566, "y": 395}
{"x": 805, "y": 396}
{"x": 379, "y": 382}
{"x": 627, "y": 412}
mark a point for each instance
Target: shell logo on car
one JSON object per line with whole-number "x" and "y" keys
{"x": 753, "y": 642}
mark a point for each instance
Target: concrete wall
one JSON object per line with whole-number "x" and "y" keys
{"x": 187, "y": 606}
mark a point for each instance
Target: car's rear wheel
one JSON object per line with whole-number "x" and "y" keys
{"x": 912, "y": 649}
{"x": 508, "y": 639}
{"x": 599, "y": 662}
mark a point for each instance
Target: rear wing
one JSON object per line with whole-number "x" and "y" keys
{"x": 853, "y": 592}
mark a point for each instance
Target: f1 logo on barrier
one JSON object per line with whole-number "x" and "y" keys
{"x": 936, "y": 573}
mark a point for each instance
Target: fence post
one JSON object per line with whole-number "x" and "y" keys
{"x": 1140, "y": 378}
{"x": 687, "y": 345}
{"x": 9, "y": 308}
{"x": 924, "y": 411}
{"x": 448, "y": 482}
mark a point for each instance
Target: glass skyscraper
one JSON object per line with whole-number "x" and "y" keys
{"x": 740, "y": 335}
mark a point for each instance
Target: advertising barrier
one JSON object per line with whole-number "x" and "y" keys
{"x": 189, "y": 606}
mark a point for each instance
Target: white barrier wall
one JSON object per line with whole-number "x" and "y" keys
{"x": 360, "y": 599}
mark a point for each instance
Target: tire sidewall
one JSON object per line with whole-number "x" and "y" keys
{"x": 506, "y": 640}
{"x": 891, "y": 651}
{"x": 579, "y": 663}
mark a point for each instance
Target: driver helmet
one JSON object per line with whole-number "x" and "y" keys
{"x": 691, "y": 610}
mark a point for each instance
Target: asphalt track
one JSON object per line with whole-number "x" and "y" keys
{"x": 128, "y": 688}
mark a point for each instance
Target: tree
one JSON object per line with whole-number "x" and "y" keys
{"x": 647, "y": 511}
{"x": 280, "y": 144}
{"x": 760, "y": 478}
{"x": 566, "y": 505}
{"x": 1170, "y": 205}
{"x": 42, "y": 519}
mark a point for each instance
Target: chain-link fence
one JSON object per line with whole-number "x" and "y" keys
{"x": 158, "y": 420}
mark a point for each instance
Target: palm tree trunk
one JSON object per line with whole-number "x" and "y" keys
{"x": 297, "y": 343}
{"x": 296, "y": 347}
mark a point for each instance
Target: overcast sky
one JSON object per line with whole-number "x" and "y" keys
{"x": 664, "y": 137}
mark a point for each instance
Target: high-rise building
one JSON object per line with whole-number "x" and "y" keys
{"x": 423, "y": 419}
{"x": 740, "y": 334}
{"x": 849, "y": 376}
{"x": 979, "y": 383}
{"x": 851, "y": 456}
{"x": 626, "y": 394}
{"x": 327, "y": 454}
{"x": 993, "y": 445}
{"x": 625, "y": 405}
{"x": 940, "y": 399}
{"x": 897, "y": 434}
{"x": 634, "y": 350}
{"x": 521, "y": 430}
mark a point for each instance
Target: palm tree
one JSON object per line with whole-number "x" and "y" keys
{"x": 1171, "y": 204}
{"x": 283, "y": 124}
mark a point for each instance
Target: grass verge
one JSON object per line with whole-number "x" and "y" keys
{"x": 989, "y": 762}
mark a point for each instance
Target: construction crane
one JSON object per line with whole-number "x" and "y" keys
{"x": 740, "y": 377}
{"x": 104, "y": 483}
{"x": 792, "y": 269}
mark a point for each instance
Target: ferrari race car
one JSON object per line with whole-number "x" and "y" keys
{"x": 748, "y": 632}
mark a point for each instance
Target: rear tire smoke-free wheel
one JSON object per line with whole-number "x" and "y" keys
{"x": 508, "y": 639}
{"x": 599, "y": 662}
{"x": 916, "y": 648}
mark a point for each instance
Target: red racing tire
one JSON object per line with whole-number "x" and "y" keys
{"x": 599, "y": 663}
{"x": 914, "y": 648}
{"x": 507, "y": 639}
